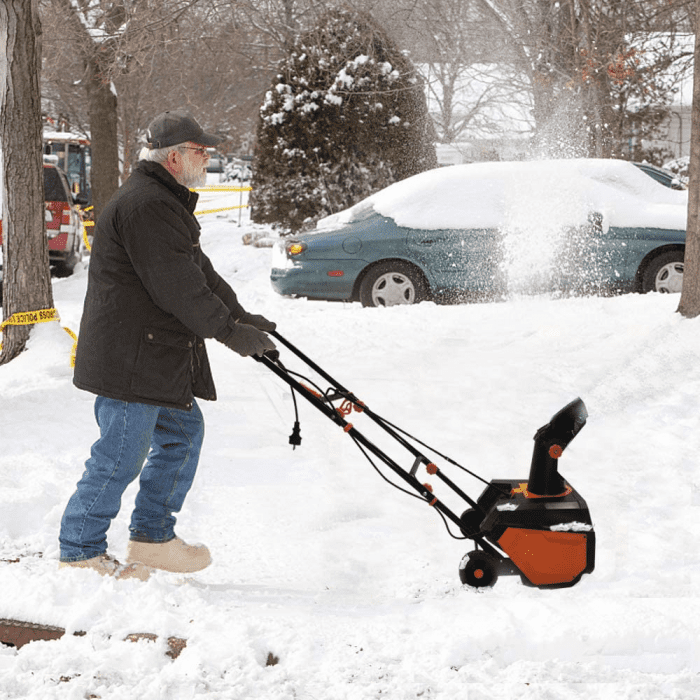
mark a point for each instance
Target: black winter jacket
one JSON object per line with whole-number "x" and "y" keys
{"x": 152, "y": 297}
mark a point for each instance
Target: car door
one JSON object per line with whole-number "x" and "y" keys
{"x": 463, "y": 260}
{"x": 594, "y": 257}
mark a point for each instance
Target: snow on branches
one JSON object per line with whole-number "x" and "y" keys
{"x": 346, "y": 115}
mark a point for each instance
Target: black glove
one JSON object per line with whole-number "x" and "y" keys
{"x": 245, "y": 339}
{"x": 257, "y": 321}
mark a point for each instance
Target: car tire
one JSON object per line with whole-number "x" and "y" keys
{"x": 391, "y": 283}
{"x": 664, "y": 273}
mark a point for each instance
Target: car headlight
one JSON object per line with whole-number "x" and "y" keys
{"x": 295, "y": 248}
{"x": 280, "y": 259}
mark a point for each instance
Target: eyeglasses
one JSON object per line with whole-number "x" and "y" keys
{"x": 200, "y": 150}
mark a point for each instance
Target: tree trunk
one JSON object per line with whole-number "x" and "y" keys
{"x": 689, "y": 305}
{"x": 102, "y": 106}
{"x": 27, "y": 279}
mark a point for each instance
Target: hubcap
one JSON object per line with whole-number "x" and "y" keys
{"x": 393, "y": 288}
{"x": 669, "y": 279}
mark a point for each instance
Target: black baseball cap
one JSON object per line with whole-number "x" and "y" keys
{"x": 174, "y": 127}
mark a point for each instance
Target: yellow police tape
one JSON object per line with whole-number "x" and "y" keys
{"x": 29, "y": 318}
{"x": 221, "y": 188}
{"x": 85, "y": 235}
{"x": 197, "y": 213}
{"x": 213, "y": 211}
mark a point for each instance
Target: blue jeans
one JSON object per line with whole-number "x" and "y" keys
{"x": 130, "y": 432}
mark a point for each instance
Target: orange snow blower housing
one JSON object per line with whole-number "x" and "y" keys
{"x": 542, "y": 525}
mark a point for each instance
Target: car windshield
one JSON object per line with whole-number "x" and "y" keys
{"x": 360, "y": 212}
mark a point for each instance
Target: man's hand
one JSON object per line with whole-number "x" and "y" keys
{"x": 257, "y": 321}
{"x": 245, "y": 339}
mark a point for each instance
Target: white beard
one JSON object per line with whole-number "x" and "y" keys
{"x": 193, "y": 176}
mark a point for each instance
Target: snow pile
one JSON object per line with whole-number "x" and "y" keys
{"x": 525, "y": 194}
{"x": 571, "y": 527}
{"x": 351, "y": 586}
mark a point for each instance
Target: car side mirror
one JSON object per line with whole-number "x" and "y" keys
{"x": 596, "y": 218}
{"x": 597, "y": 222}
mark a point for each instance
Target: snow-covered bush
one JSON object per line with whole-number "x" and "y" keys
{"x": 346, "y": 116}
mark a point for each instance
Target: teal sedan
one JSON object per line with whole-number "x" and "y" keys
{"x": 487, "y": 230}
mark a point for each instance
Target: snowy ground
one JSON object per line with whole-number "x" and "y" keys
{"x": 351, "y": 585}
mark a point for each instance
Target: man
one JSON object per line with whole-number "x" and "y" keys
{"x": 152, "y": 297}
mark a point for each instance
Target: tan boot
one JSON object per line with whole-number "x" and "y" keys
{"x": 176, "y": 556}
{"x": 105, "y": 565}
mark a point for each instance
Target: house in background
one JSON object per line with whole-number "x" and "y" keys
{"x": 489, "y": 115}
{"x": 486, "y": 116}
{"x": 678, "y": 139}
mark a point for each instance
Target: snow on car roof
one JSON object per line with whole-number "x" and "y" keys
{"x": 523, "y": 194}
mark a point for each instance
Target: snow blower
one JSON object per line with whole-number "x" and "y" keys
{"x": 539, "y": 528}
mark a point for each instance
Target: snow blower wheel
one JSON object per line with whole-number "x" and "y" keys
{"x": 539, "y": 529}
{"x": 478, "y": 569}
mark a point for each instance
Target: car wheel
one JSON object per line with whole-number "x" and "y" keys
{"x": 391, "y": 283}
{"x": 664, "y": 273}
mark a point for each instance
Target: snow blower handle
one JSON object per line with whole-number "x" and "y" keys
{"x": 271, "y": 359}
{"x": 272, "y": 355}
{"x": 308, "y": 361}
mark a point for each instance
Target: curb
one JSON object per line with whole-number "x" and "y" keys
{"x": 17, "y": 633}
